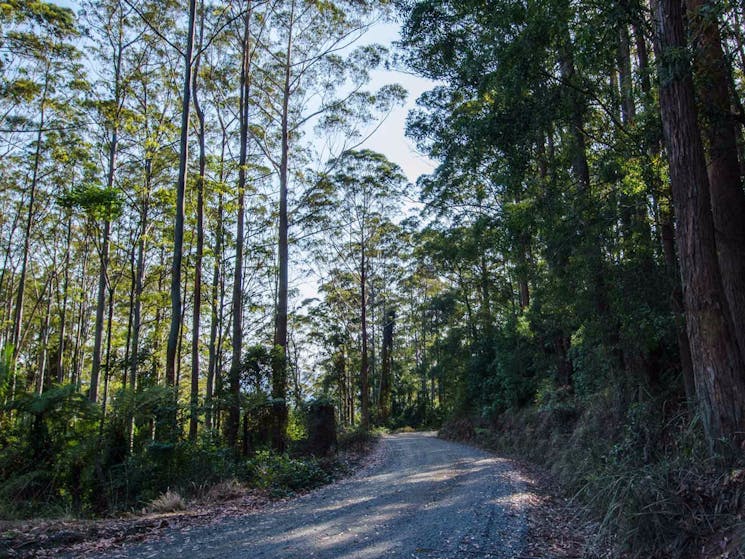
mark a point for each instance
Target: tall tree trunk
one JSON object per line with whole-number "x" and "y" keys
{"x": 105, "y": 240}
{"x": 139, "y": 277}
{"x": 107, "y": 360}
{"x": 100, "y": 306}
{"x": 215, "y": 312}
{"x": 20, "y": 297}
{"x": 81, "y": 327}
{"x": 6, "y": 336}
{"x": 386, "y": 375}
{"x": 63, "y": 307}
{"x": 197, "y": 305}
{"x": 130, "y": 309}
{"x": 712, "y": 80}
{"x": 676, "y": 299}
{"x": 44, "y": 341}
{"x": 279, "y": 369}
{"x": 178, "y": 230}
{"x": 234, "y": 411}
{"x": 364, "y": 359}
{"x": 718, "y": 366}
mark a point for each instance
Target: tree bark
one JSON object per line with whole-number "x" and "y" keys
{"x": 103, "y": 274}
{"x": 20, "y": 297}
{"x": 279, "y": 369}
{"x": 718, "y": 367}
{"x": 712, "y": 80}
{"x": 364, "y": 358}
{"x": 234, "y": 410}
{"x": 386, "y": 376}
{"x": 197, "y": 304}
{"x": 63, "y": 308}
{"x": 178, "y": 230}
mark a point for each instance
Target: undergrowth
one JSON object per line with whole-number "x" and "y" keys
{"x": 57, "y": 461}
{"x": 644, "y": 475}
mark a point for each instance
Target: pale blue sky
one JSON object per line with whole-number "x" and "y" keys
{"x": 390, "y": 138}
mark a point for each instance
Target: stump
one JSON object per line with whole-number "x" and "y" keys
{"x": 321, "y": 429}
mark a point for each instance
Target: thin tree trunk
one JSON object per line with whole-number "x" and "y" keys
{"x": 20, "y": 297}
{"x": 107, "y": 361}
{"x": 63, "y": 308}
{"x": 364, "y": 363}
{"x": 279, "y": 369}
{"x": 82, "y": 322}
{"x": 178, "y": 230}
{"x": 104, "y": 263}
{"x": 100, "y": 306}
{"x": 139, "y": 279}
{"x": 386, "y": 377}
{"x": 197, "y": 305}
{"x": 234, "y": 411}
{"x": 130, "y": 312}
{"x": 44, "y": 340}
{"x": 216, "y": 302}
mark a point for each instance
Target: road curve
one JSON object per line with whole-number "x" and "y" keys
{"x": 420, "y": 497}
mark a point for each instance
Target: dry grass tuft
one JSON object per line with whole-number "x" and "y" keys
{"x": 170, "y": 501}
{"x": 226, "y": 491}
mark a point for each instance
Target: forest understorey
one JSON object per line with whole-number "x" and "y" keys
{"x": 582, "y": 507}
{"x": 48, "y": 538}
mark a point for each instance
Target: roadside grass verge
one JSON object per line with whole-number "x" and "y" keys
{"x": 643, "y": 477}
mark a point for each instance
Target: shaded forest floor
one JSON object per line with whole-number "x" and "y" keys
{"x": 48, "y": 538}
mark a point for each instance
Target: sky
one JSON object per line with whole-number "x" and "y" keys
{"x": 390, "y": 138}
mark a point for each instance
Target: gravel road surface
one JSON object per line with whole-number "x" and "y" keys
{"x": 419, "y": 497}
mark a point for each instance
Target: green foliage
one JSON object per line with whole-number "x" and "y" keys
{"x": 94, "y": 200}
{"x": 47, "y": 455}
{"x": 283, "y": 475}
{"x": 356, "y": 440}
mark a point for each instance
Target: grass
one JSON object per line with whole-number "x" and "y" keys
{"x": 170, "y": 501}
{"x": 644, "y": 475}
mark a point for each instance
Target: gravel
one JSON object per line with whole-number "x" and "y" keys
{"x": 417, "y": 497}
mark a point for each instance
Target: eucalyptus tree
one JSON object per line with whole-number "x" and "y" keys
{"x": 309, "y": 82}
{"x": 716, "y": 98}
{"x": 111, "y": 29}
{"x": 152, "y": 104}
{"x": 178, "y": 228}
{"x": 365, "y": 190}
{"x": 717, "y": 361}
{"x": 41, "y": 85}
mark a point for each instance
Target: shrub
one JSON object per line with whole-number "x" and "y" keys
{"x": 355, "y": 440}
{"x": 282, "y": 474}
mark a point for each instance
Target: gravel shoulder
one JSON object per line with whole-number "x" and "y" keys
{"x": 417, "y": 497}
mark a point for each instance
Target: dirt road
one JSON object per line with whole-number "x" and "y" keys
{"x": 420, "y": 497}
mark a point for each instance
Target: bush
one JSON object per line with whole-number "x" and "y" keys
{"x": 284, "y": 475}
{"x": 46, "y": 459}
{"x": 356, "y": 440}
{"x": 226, "y": 490}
